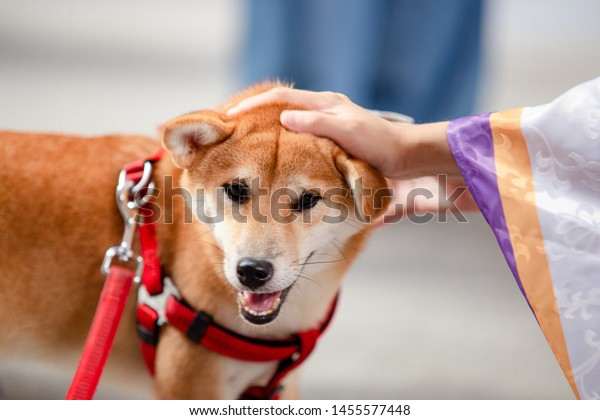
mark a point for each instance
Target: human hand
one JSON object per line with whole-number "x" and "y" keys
{"x": 397, "y": 150}
{"x": 334, "y": 116}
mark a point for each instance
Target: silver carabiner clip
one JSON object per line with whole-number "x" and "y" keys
{"x": 129, "y": 203}
{"x": 129, "y": 200}
{"x": 124, "y": 256}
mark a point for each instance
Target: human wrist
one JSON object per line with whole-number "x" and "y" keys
{"x": 425, "y": 151}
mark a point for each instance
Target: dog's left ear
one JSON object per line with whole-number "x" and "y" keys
{"x": 184, "y": 136}
{"x": 369, "y": 188}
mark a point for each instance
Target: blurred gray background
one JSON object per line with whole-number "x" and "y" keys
{"x": 429, "y": 311}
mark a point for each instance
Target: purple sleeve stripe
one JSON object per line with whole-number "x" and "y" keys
{"x": 472, "y": 146}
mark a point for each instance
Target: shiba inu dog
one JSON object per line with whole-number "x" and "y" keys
{"x": 255, "y": 226}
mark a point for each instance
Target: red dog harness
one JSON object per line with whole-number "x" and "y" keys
{"x": 159, "y": 303}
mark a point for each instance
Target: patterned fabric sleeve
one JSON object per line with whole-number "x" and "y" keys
{"x": 535, "y": 175}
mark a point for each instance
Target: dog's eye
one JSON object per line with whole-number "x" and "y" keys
{"x": 237, "y": 192}
{"x": 307, "y": 200}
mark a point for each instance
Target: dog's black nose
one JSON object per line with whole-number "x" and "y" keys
{"x": 254, "y": 273}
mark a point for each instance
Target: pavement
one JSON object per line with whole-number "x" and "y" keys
{"x": 428, "y": 311}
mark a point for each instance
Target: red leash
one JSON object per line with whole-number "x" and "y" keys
{"x": 132, "y": 189}
{"x": 102, "y": 334}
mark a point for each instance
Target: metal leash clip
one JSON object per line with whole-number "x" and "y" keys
{"x": 131, "y": 197}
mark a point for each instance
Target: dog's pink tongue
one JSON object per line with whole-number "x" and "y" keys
{"x": 261, "y": 302}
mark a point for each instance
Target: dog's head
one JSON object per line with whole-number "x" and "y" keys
{"x": 280, "y": 204}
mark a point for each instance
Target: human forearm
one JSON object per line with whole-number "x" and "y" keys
{"x": 425, "y": 151}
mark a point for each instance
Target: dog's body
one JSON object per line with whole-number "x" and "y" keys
{"x": 58, "y": 217}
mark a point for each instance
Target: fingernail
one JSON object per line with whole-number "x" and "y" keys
{"x": 288, "y": 118}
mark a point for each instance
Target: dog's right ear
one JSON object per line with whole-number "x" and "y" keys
{"x": 184, "y": 136}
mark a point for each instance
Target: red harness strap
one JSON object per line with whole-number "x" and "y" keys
{"x": 200, "y": 328}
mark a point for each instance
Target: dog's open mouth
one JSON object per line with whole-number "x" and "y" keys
{"x": 261, "y": 308}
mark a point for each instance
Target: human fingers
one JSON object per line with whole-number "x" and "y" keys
{"x": 304, "y": 98}
{"x": 317, "y": 123}
{"x": 348, "y": 131}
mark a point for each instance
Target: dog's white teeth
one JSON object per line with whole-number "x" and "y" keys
{"x": 244, "y": 301}
{"x": 274, "y": 306}
{"x": 253, "y": 312}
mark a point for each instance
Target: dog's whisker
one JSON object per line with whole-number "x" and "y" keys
{"x": 312, "y": 254}
{"x": 211, "y": 244}
{"x": 322, "y": 253}
{"x": 307, "y": 277}
{"x": 361, "y": 230}
{"x": 341, "y": 253}
{"x": 324, "y": 262}
{"x": 303, "y": 258}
